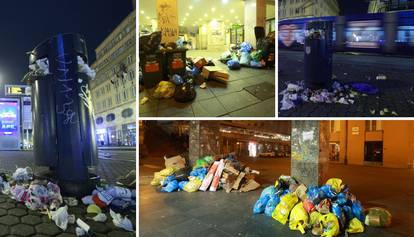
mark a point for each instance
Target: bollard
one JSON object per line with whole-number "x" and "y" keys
{"x": 318, "y": 54}
{"x": 63, "y": 121}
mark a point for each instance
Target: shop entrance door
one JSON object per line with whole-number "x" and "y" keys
{"x": 373, "y": 152}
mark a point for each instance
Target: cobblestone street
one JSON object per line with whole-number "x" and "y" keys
{"x": 17, "y": 220}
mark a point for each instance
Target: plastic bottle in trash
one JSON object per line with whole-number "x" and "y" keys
{"x": 102, "y": 199}
{"x": 120, "y": 192}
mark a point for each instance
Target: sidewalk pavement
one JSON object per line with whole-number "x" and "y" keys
{"x": 396, "y": 93}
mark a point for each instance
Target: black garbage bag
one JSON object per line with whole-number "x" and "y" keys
{"x": 150, "y": 43}
{"x": 185, "y": 93}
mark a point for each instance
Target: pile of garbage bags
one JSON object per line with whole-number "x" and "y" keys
{"x": 40, "y": 194}
{"x": 244, "y": 55}
{"x": 297, "y": 93}
{"x": 208, "y": 173}
{"x": 327, "y": 210}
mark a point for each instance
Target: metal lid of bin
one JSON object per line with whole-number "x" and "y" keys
{"x": 42, "y": 50}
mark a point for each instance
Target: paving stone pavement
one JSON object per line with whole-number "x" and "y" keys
{"x": 396, "y": 92}
{"x": 219, "y": 100}
{"x": 17, "y": 220}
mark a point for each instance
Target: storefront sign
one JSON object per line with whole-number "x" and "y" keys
{"x": 167, "y": 20}
{"x": 355, "y": 130}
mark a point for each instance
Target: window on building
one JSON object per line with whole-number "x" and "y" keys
{"x": 133, "y": 92}
{"x": 131, "y": 75}
{"x": 126, "y": 113}
{"x": 125, "y": 93}
{"x": 99, "y": 120}
{"x": 373, "y": 125}
{"x": 110, "y": 117}
{"x": 129, "y": 59}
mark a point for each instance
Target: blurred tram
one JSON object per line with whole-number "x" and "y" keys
{"x": 386, "y": 33}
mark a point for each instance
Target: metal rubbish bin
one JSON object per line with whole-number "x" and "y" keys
{"x": 152, "y": 65}
{"x": 175, "y": 61}
{"x": 63, "y": 122}
{"x": 318, "y": 53}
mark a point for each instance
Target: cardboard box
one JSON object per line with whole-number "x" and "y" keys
{"x": 250, "y": 185}
{"x": 236, "y": 184}
{"x": 215, "y": 73}
{"x": 199, "y": 62}
{"x": 177, "y": 162}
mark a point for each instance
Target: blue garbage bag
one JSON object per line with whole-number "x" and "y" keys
{"x": 271, "y": 205}
{"x": 195, "y": 72}
{"x": 182, "y": 184}
{"x": 246, "y": 47}
{"x": 357, "y": 210}
{"x": 328, "y": 191}
{"x": 171, "y": 187}
{"x": 365, "y": 88}
{"x": 198, "y": 171}
{"x": 255, "y": 64}
{"x": 341, "y": 199}
{"x": 271, "y": 190}
{"x": 245, "y": 58}
{"x": 337, "y": 211}
{"x": 233, "y": 64}
{"x": 177, "y": 80}
{"x": 260, "y": 205}
{"x": 349, "y": 215}
{"x": 313, "y": 194}
{"x": 168, "y": 179}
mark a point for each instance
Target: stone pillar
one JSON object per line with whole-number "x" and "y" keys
{"x": 310, "y": 151}
{"x": 204, "y": 139}
{"x": 167, "y": 16}
{"x": 254, "y": 15}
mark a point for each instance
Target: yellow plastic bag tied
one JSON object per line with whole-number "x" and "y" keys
{"x": 157, "y": 179}
{"x": 330, "y": 224}
{"x": 282, "y": 210}
{"x": 335, "y": 183}
{"x": 299, "y": 218}
{"x": 192, "y": 186}
{"x": 355, "y": 226}
{"x": 315, "y": 218}
{"x": 167, "y": 171}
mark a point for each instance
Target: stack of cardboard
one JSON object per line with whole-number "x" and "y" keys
{"x": 215, "y": 73}
{"x": 234, "y": 180}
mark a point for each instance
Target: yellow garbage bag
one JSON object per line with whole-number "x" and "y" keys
{"x": 167, "y": 171}
{"x": 330, "y": 224}
{"x": 314, "y": 218}
{"x": 164, "y": 89}
{"x": 355, "y": 226}
{"x": 158, "y": 178}
{"x": 282, "y": 210}
{"x": 335, "y": 183}
{"x": 299, "y": 218}
{"x": 192, "y": 185}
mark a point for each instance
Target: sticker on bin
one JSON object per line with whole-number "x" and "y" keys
{"x": 177, "y": 64}
{"x": 152, "y": 67}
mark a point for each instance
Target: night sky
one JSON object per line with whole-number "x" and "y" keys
{"x": 26, "y": 23}
{"x": 348, "y": 7}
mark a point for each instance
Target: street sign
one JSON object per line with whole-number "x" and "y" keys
{"x": 17, "y": 90}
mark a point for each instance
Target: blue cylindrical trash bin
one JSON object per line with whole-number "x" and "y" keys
{"x": 63, "y": 123}
{"x": 318, "y": 53}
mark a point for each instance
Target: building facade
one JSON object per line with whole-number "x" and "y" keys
{"x": 114, "y": 88}
{"x": 380, "y": 143}
{"x": 307, "y": 8}
{"x": 376, "y": 6}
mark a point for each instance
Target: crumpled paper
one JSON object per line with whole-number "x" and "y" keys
{"x": 120, "y": 222}
{"x": 84, "y": 68}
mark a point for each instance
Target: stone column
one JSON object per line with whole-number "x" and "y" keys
{"x": 204, "y": 139}
{"x": 254, "y": 15}
{"x": 167, "y": 15}
{"x": 310, "y": 151}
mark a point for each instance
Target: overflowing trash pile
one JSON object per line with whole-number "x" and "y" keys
{"x": 327, "y": 210}
{"x": 208, "y": 173}
{"x": 41, "y": 194}
{"x": 297, "y": 93}
{"x": 244, "y": 55}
